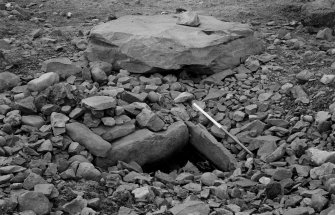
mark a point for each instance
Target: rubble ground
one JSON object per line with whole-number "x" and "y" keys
{"x": 85, "y": 138}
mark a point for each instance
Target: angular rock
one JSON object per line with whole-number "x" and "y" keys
{"x": 150, "y": 120}
{"x": 319, "y": 157}
{"x": 324, "y": 169}
{"x": 142, "y": 44}
{"x": 99, "y": 102}
{"x": 189, "y": 18}
{"x": 75, "y": 206}
{"x": 34, "y": 201}
{"x": 44, "y": 81}
{"x": 144, "y": 146}
{"x": 92, "y": 142}
{"x": 88, "y": 171}
{"x": 58, "y": 121}
{"x": 214, "y": 151}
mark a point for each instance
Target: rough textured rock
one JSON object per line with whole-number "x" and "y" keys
{"x": 8, "y": 80}
{"x": 319, "y": 13}
{"x": 189, "y": 18}
{"x": 83, "y": 135}
{"x": 214, "y": 151}
{"x": 34, "y": 201}
{"x": 144, "y": 146}
{"x": 143, "y": 44}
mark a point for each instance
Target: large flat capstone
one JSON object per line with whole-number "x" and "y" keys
{"x": 145, "y": 146}
{"x": 144, "y": 44}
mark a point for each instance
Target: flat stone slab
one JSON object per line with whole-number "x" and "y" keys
{"x": 145, "y": 44}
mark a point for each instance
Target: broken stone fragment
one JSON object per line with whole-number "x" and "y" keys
{"x": 44, "y": 81}
{"x": 99, "y": 102}
{"x": 189, "y": 18}
{"x": 207, "y": 145}
{"x": 322, "y": 120}
{"x": 92, "y": 142}
{"x": 75, "y": 206}
{"x": 88, "y": 171}
{"x": 58, "y": 121}
{"x": 150, "y": 120}
{"x": 141, "y": 146}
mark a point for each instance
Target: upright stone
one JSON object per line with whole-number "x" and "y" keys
{"x": 207, "y": 145}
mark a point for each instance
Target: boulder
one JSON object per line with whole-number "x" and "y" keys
{"x": 319, "y": 13}
{"x": 83, "y": 135}
{"x": 145, "y": 44}
{"x": 144, "y": 146}
{"x": 207, "y": 145}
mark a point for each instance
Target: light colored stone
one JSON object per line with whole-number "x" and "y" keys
{"x": 327, "y": 79}
{"x": 99, "y": 102}
{"x": 44, "y": 81}
{"x": 188, "y": 18}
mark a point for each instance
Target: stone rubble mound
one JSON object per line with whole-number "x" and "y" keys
{"x": 80, "y": 141}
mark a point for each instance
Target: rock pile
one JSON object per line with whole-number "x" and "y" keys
{"x": 76, "y": 142}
